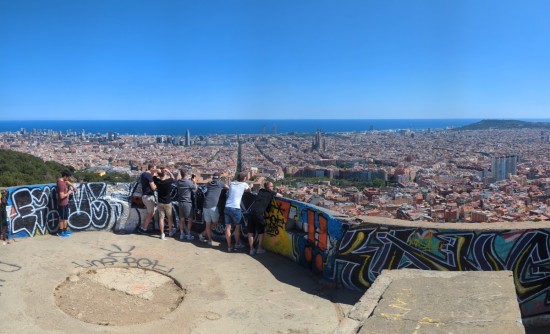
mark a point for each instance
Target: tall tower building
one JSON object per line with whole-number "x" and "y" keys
{"x": 502, "y": 166}
{"x": 187, "y": 138}
{"x": 318, "y": 143}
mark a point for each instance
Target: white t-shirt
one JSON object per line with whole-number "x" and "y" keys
{"x": 235, "y": 194}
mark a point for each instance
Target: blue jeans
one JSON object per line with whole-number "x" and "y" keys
{"x": 232, "y": 216}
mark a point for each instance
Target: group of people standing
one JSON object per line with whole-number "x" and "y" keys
{"x": 162, "y": 180}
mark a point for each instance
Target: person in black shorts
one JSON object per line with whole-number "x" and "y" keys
{"x": 256, "y": 220}
{"x": 64, "y": 190}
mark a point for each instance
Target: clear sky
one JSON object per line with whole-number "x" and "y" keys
{"x": 274, "y": 59}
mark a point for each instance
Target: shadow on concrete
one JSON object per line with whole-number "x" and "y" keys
{"x": 291, "y": 273}
{"x": 306, "y": 281}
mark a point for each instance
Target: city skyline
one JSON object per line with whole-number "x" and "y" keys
{"x": 91, "y": 60}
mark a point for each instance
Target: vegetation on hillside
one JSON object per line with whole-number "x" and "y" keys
{"x": 84, "y": 176}
{"x": 504, "y": 124}
{"x": 18, "y": 169}
{"x": 294, "y": 181}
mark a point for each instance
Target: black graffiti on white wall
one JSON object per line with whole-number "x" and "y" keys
{"x": 36, "y": 211}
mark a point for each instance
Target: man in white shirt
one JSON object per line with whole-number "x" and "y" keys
{"x": 233, "y": 214}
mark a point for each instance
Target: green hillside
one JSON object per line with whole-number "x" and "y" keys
{"x": 504, "y": 124}
{"x": 18, "y": 169}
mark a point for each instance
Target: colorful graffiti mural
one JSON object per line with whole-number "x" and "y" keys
{"x": 353, "y": 255}
{"x": 366, "y": 250}
{"x": 303, "y": 233}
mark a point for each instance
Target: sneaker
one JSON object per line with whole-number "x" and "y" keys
{"x": 162, "y": 236}
{"x": 190, "y": 237}
{"x": 240, "y": 246}
{"x": 68, "y": 232}
{"x": 202, "y": 238}
{"x": 182, "y": 235}
{"x": 172, "y": 232}
{"x": 252, "y": 252}
{"x": 209, "y": 242}
{"x": 140, "y": 230}
{"x": 62, "y": 234}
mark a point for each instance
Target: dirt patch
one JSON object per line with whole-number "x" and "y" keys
{"x": 118, "y": 296}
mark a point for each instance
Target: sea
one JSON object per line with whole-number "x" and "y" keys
{"x": 214, "y": 127}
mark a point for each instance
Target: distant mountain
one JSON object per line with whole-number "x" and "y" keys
{"x": 504, "y": 124}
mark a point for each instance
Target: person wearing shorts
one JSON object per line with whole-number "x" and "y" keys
{"x": 164, "y": 183}
{"x": 233, "y": 212}
{"x": 64, "y": 190}
{"x": 256, "y": 220}
{"x": 210, "y": 213}
{"x": 148, "y": 188}
{"x": 186, "y": 185}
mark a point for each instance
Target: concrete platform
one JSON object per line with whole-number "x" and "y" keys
{"x": 417, "y": 301}
{"x": 224, "y": 292}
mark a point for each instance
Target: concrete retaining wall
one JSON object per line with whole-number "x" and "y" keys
{"x": 350, "y": 252}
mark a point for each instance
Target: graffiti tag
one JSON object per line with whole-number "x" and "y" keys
{"x": 120, "y": 257}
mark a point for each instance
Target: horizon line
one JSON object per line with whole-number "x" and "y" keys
{"x": 270, "y": 119}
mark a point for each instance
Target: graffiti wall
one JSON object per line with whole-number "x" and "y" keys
{"x": 365, "y": 251}
{"x": 32, "y": 210}
{"x": 306, "y": 234}
{"x": 353, "y": 255}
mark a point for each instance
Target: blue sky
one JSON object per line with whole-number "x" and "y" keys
{"x": 274, "y": 59}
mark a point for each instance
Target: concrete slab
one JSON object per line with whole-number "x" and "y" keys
{"x": 417, "y": 301}
{"x": 224, "y": 292}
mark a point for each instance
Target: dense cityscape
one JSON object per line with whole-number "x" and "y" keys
{"x": 439, "y": 175}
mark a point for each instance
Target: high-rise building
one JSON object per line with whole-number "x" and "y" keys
{"x": 187, "y": 138}
{"x": 503, "y": 166}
